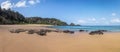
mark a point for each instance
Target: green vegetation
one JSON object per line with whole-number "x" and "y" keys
{"x": 39, "y": 20}
{"x": 12, "y": 17}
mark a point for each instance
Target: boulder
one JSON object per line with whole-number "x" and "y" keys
{"x": 68, "y": 31}
{"x": 17, "y": 30}
{"x": 42, "y": 32}
{"x": 81, "y": 30}
{"x": 31, "y": 31}
{"x": 96, "y": 32}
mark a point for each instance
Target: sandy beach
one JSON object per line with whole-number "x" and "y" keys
{"x": 56, "y": 42}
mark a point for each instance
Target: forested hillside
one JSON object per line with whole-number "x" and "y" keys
{"x": 12, "y": 17}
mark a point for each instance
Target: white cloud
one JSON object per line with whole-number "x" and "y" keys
{"x": 92, "y": 19}
{"x": 32, "y": 2}
{"x": 116, "y": 20}
{"x": 103, "y": 18}
{"x": 113, "y": 14}
{"x": 6, "y": 5}
{"x": 21, "y": 3}
{"x": 98, "y": 21}
{"x": 81, "y": 21}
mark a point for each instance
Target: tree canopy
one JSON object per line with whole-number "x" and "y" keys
{"x": 39, "y": 20}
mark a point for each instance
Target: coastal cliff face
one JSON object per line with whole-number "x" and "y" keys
{"x": 11, "y": 17}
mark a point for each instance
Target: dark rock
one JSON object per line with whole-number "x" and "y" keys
{"x": 17, "y": 30}
{"x": 81, "y": 30}
{"x": 31, "y": 31}
{"x": 47, "y": 30}
{"x": 72, "y": 32}
{"x": 14, "y": 31}
{"x": 103, "y": 30}
{"x": 68, "y": 31}
{"x": 42, "y": 32}
{"x": 96, "y": 32}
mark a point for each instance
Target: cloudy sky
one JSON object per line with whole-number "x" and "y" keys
{"x": 85, "y": 12}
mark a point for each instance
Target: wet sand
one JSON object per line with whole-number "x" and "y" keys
{"x": 56, "y": 42}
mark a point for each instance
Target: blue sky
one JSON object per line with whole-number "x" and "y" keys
{"x": 85, "y": 12}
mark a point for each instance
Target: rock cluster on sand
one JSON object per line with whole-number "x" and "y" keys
{"x": 96, "y": 32}
{"x": 68, "y": 31}
{"x": 31, "y": 31}
{"x": 17, "y": 30}
{"x": 41, "y": 32}
{"x": 83, "y": 30}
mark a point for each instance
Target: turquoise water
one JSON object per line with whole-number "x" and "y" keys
{"x": 89, "y": 28}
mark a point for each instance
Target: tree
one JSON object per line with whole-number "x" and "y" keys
{"x": 50, "y": 21}
{"x": 10, "y": 17}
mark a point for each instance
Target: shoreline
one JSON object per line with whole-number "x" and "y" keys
{"x": 88, "y": 28}
{"x": 46, "y": 27}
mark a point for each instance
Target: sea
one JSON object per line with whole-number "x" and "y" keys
{"x": 88, "y": 28}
